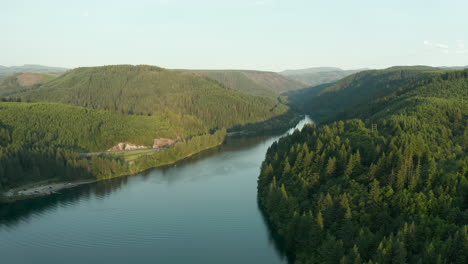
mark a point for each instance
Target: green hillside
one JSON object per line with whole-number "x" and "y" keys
{"x": 253, "y": 82}
{"x": 351, "y": 192}
{"x": 149, "y": 90}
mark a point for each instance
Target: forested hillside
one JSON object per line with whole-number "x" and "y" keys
{"x": 47, "y": 121}
{"x": 149, "y": 90}
{"x": 254, "y": 82}
{"x": 386, "y": 184}
{"x": 359, "y": 90}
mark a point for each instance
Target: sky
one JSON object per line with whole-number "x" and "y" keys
{"x": 270, "y": 35}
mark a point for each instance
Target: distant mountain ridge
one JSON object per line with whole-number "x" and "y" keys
{"x": 310, "y": 70}
{"x": 454, "y": 67}
{"x": 31, "y": 68}
{"x": 318, "y": 75}
{"x": 8, "y": 71}
{"x": 254, "y": 82}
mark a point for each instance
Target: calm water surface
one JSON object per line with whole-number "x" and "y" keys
{"x": 203, "y": 209}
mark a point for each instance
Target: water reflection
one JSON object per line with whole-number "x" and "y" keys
{"x": 12, "y": 214}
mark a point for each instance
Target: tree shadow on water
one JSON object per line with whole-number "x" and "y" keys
{"x": 274, "y": 238}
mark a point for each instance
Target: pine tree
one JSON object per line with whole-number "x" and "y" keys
{"x": 331, "y": 166}
{"x": 319, "y": 220}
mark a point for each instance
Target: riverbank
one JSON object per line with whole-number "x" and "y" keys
{"x": 39, "y": 189}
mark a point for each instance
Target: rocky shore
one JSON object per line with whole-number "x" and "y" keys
{"x": 27, "y": 192}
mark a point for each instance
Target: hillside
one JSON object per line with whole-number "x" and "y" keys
{"x": 318, "y": 76}
{"x": 387, "y": 185}
{"x": 359, "y": 90}
{"x": 149, "y": 90}
{"x": 47, "y": 121}
{"x": 253, "y": 82}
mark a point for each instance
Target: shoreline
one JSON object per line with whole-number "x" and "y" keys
{"x": 35, "y": 190}
{"x": 29, "y": 191}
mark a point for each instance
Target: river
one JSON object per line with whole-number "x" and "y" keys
{"x": 200, "y": 210}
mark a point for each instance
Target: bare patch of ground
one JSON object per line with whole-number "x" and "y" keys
{"x": 163, "y": 142}
{"x": 127, "y": 146}
{"x": 29, "y": 78}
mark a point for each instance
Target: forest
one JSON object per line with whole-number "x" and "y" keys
{"x": 382, "y": 179}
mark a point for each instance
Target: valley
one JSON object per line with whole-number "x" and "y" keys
{"x": 228, "y": 132}
{"x": 360, "y": 184}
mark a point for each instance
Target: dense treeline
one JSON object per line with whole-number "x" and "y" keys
{"x": 149, "y": 90}
{"x": 342, "y": 192}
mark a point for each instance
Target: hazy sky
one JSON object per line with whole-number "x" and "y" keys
{"x": 242, "y": 34}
